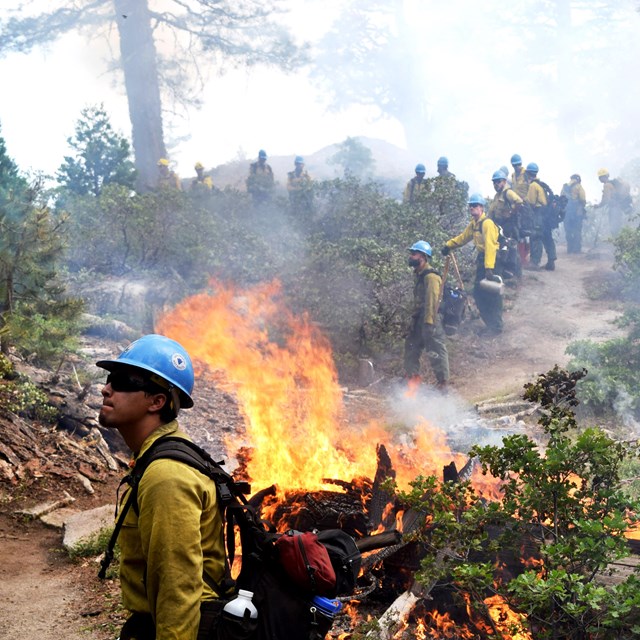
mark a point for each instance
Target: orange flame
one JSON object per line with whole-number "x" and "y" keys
{"x": 281, "y": 370}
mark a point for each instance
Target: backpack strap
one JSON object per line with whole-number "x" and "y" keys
{"x": 229, "y": 492}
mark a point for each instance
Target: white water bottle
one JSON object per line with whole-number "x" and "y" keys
{"x": 241, "y": 604}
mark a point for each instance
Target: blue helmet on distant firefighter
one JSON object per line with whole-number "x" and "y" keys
{"x": 498, "y": 175}
{"x": 165, "y": 360}
{"x": 443, "y": 162}
{"x": 299, "y": 160}
{"x": 477, "y": 198}
{"x": 516, "y": 159}
{"x": 420, "y": 168}
{"x": 532, "y": 167}
{"x": 423, "y": 247}
{"x": 262, "y": 154}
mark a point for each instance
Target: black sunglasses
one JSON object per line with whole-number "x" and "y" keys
{"x": 122, "y": 382}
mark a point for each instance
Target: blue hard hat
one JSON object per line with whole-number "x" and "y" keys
{"x": 499, "y": 175}
{"x": 299, "y": 160}
{"x": 420, "y": 168}
{"x": 262, "y": 153}
{"x": 477, "y": 198}
{"x": 443, "y": 162}
{"x": 161, "y": 356}
{"x": 423, "y": 247}
{"x": 516, "y": 159}
{"x": 532, "y": 167}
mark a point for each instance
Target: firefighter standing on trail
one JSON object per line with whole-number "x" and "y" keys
{"x": 425, "y": 332}
{"x": 503, "y": 209}
{"x": 172, "y": 551}
{"x": 415, "y": 186}
{"x": 543, "y": 225}
{"x": 616, "y": 198}
{"x": 260, "y": 182}
{"x": 518, "y": 179}
{"x": 574, "y": 213}
{"x": 484, "y": 234}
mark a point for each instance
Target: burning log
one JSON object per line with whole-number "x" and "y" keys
{"x": 379, "y": 541}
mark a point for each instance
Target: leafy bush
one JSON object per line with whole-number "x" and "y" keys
{"x": 613, "y": 379}
{"x": 20, "y": 396}
{"x": 563, "y": 503}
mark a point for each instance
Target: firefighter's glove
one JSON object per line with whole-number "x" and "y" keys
{"x": 445, "y": 251}
{"x": 427, "y": 331}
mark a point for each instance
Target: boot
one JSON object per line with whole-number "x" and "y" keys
{"x": 551, "y": 265}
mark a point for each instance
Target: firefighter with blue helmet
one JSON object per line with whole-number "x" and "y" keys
{"x": 542, "y": 233}
{"x": 172, "y": 556}
{"x": 425, "y": 333}
{"x": 260, "y": 183}
{"x": 299, "y": 187}
{"x": 442, "y": 166}
{"x": 484, "y": 233}
{"x": 415, "y": 186}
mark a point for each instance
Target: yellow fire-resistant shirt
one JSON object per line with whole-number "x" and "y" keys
{"x": 574, "y": 191}
{"x": 413, "y": 189}
{"x": 519, "y": 184}
{"x": 484, "y": 234}
{"x": 536, "y": 196}
{"x": 176, "y": 538}
{"x": 501, "y": 207}
{"x": 426, "y": 294}
{"x": 298, "y": 181}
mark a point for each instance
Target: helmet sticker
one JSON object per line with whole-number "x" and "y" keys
{"x": 179, "y": 361}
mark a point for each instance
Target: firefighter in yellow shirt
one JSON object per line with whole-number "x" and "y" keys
{"x": 574, "y": 213}
{"x": 201, "y": 182}
{"x": 542, "y": 237}
{"x": 167, "y": 179}
{"x": 415, "y": 186}
{"x": 616, "y": 197}
{"x": 260, "y": 183}
{"x": 425, "y": 333}
{"x": 518, "y": 180}
{"x": 504, "y": 208}
{"x": 299, "y": 186}
{"x": 172, "y": 556}
{"x": 483, "y": 232}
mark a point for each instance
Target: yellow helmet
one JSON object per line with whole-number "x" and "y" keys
{"x": 602, "y": 172}
{"x": 198, "y": 165}
{"x": 163, "y": 162}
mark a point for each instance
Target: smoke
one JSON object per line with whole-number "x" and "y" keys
{"x": 448, "y": 413}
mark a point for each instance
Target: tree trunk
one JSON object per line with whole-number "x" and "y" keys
{"x": 138, "y": 60}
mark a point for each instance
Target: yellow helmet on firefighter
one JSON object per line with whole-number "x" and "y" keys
{"x": 163, "y": 162}
{"x": 198, "y": 165}
{"x": 602, "y": 173}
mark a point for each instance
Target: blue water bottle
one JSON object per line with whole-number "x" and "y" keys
{"x": 323, "y": 611}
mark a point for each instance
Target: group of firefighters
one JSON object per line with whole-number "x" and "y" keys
{"x": 509, "y": 234}
{"x": 260, "y": 182}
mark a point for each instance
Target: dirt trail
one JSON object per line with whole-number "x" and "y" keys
{"x": 39, "y": 591}
{"x": 43, "y": 595}
{"x": 548, "y": 310}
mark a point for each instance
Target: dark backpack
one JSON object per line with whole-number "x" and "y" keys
{"x": 285, "y": 609}
{"x": 453, "y": 308}
{"x": 622, "y": 193}
{"x": 556, "y": 206}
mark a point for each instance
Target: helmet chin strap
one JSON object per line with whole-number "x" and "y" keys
{"x": 175, "y": 399}
{"x": 174, "y": 393}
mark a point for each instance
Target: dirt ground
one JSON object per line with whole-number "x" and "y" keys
{"x": 45, "y": 595}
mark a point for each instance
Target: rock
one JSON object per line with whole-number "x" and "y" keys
{"x": 43, "y": 508}
{"x": 57, "y": 518}
{"x": 86, "y": 483}
{"x": 86, "y": 525}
